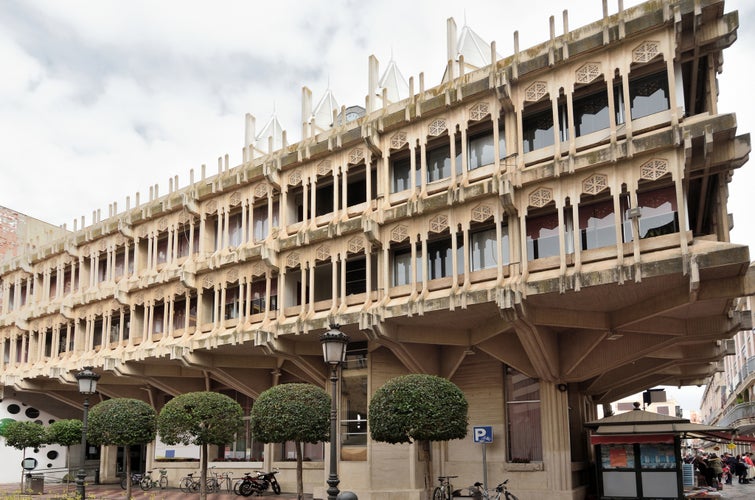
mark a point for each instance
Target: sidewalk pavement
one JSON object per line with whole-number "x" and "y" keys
{"x": 114, "y": 492}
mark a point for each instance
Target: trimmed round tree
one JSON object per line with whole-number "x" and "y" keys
{"x": 122, "y": 422}
{"x": 292, "y": 412}
{"x": 22, "y": 435}
{"x": 202, "y": 418}
{"x": 420, "y": 408}
{"x": 66, "y": 432}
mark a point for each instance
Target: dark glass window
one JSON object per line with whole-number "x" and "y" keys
{"x": 537, "y": 129}
{"x": 438, "y": 163}
{"x": 591, "y": 113}
{"x": 649, "y": 95}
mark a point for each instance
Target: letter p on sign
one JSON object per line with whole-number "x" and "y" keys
{"x": 483, "y": 434}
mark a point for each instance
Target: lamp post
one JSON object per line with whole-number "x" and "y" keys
{"x": 87, "y": 380}
{"x": 334, "y": 343}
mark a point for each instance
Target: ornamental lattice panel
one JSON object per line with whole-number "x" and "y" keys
{"x": 439, "y": 223}
{"x": 322, "y": 253}
{"x": 235, "y": 198}
{"x": 356, "y": 245}
{"x": 481, "y": 213}
{"x": 654, "y": 169}
{"x": 536, "y": 91}
{"x": 399, "y": 233}
{"x": 479, "y": 111}
{"x": 398, "y": 140}
{"x": 293, "y": 259}
{"x": 437, "y": 127}
{"x": 588, "y": 72}
{"x": 294, "y": 178}
{"x": 260, "y": 190}
{"x": 540, "y": 197}
{"x": 356, "y": 155}
{"x": 323, "y": 167}
{"x": 595, "y": 184}
{"x": 646, "y": 51}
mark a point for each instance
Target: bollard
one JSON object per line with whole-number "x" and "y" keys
{"x": 346, "y": 495}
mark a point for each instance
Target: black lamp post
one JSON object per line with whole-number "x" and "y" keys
{"x": 87, "y": 386}
{"x": 334, "y": 343}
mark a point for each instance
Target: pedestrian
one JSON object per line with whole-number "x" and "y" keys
{"x": 747, "y": 457}
{"x": 716, "y": 470}
{"x": 741, "y": 470}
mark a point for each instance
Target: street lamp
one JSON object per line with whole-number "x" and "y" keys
{"x": 87, "y": 386}
{"x": 334, "y": 343}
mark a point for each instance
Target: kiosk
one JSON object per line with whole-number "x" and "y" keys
{"x": 638, "y": 454}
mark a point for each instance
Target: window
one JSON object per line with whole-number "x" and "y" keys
{"x": 591, "y": 113}
{"x": 542, "y": 236}
{"x": 401, "y": 175}
{"x": 235, "y": 230}
{"x": 649, "y": 95}
{"x": 232, "y": 302}
{"x": 262, "y": 222}
{"x": 162, "y": 250}
{"x": 596, "y": 225}
{"x": 115, "y": 327}
{"x": 48, "y": 342}
{"x": 158, "y": 313}
{"x": 53, "y": 288}
{"x": 102, "y": 269}
{"x": 354, "y": 403}
{"x": 618, "y": 101}
{"x": 120, "y": 264}
{"x": 402, "y": 267}
{"x": 258, "y": 296}
{"x": 537, "y": 129}
{"x": 438, "y": 163}
{"x": 484, "y": 251}
{"x": 658, "y": 212}
{"x": 97, "y": 333}
{"x": 356, "y": 275}
{"x": 179, "y": 313}
{"x": 183, "y": 238}
{"x": 324, "y": 201}
{"x": 523, "y": 432}
{"x": 357, "y": 186}
{"x": 481, "y": 150}
{"x": 440, "y": 258}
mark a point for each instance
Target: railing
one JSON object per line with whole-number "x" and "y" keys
{"x": 734, "y": 418}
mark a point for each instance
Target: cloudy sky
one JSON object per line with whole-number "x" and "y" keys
{"x": 102, "y": 99}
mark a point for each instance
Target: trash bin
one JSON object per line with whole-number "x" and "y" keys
{"x": 35, "y": 484}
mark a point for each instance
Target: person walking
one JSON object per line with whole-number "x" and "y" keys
{"x": 716, "y": 466}
{"x": 741, "y": 470}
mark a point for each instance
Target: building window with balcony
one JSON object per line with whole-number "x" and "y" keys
{"x": 356, "y": 275}
{"x": 591, "y": 111}
{"x": 484, "y": 242}
{"x": 481, "y": 148}
{"x": 523, "y": 434}
{"x": 232, "y": 307}
{"x": 261, "y": 221}
{"x": 403, "y": 268}
{"x": 354, "y": 402}
{"x": 597, "y": 227}
{"x": 658, "y": 212}
{"x": 649, "y": 95}
{"x": 543, "y": 237}
{"x": 324, "y": 201}
{"x": 438, "y": 162}
{"x": 402, "y": 177}
{"x": 440, "y": 257}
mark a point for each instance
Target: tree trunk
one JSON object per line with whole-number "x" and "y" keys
{"x": 127, "y": 457}
{"x": 299, "y": 478}
{"x": 23, "y": 472}
{"x": 427, "y": 457}
{"x": 68, "y": 467}
{"x": 203, "y": 472}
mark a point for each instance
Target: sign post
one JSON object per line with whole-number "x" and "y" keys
{"x": 483, "y": 434}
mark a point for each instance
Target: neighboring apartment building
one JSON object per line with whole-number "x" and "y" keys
{"x": 549, "y": 232}
{"x": 729, "y": 397}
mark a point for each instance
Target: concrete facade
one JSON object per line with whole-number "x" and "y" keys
{"x": 549, "y": 232}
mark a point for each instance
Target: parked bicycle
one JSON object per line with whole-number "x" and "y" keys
{"x": 147, "y": 483}
{"x": 189, "y": 484}
{"x": 136, "y": 479}
{"x": 443, "y": 491}
{"x": 500, "y": 491}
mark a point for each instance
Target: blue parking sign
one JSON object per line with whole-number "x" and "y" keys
{"x": 483, "y": 433}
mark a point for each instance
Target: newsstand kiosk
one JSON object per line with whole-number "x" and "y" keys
{"x": 638, "y": 454}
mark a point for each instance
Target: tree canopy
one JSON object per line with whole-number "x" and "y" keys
{"x": 292, "y": 412}
{"x": 200, "y": 418}
{"x": 121, "y": 422}
{"x": 418, "y": 407}
{"x": 66, "y": 432}
{"x": 22, "y": 435}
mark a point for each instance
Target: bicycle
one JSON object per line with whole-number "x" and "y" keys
{"x": 443, "y": 491}
{"x": 147, "y": 483}
{"x": 136, "y": 479}
{"x": 189, "y": 484}
{"x": 501, "y": 491}
{"x": 225, "y": 478}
